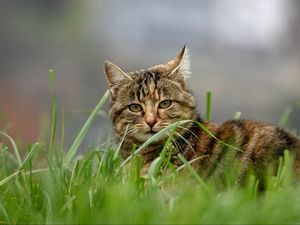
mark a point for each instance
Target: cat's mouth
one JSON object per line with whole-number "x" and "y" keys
{"x": 151, "y": 132}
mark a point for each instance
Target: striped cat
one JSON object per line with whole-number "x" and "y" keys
{"x": 144, "y": 102}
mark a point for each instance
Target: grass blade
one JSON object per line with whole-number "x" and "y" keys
{"x": 15, "y": 147}
{"x": 54, "y": 113}
{"x": 8, "y": 178}
{"x": 35, "y": 148}
{"x": 284, "y": 118}
{"x": 213, "y": 136}
{"x": 237, "y": 115}
{"x": 5, "y": 214}
{"x": 208, "y": 105}
{"x": 190, "y": 162}
{"x": 79, "y": 138}
{"x": 155, "y": 165}
{"x": 120, "y": 144}
{"x": 192, "y": 171}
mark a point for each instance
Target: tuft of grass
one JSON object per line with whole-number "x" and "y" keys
{"x": 98, "y": 187}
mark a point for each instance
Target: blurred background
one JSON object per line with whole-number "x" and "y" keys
{"x": 246, "y": 52}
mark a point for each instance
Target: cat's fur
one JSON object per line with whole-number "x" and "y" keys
{"x": 261, "y": 143}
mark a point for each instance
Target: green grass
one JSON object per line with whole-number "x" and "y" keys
{"x": 48, "y": 185}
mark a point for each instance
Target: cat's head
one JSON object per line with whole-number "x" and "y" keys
{"x": 150, "y": 99}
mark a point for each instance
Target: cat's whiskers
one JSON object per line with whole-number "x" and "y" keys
{"x": 184, "y": 139}
{"x": 138, "y": 125}
{"x": 176, "y": 144}
{"x": 173, "y": 139}
{"x": 131, "y": 128}
{"x": 180, "y": 136}
{"x": 188, "y": 130}
{"x": 130, "y": 132}
{"x": 181, "y": 127}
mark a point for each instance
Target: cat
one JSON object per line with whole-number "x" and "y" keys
{"x": 146, "y": 101}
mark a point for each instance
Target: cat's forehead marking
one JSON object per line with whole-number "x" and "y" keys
{"x": 147, "y": 85}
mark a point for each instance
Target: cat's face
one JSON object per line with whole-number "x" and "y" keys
{"x": 148, "y": 100}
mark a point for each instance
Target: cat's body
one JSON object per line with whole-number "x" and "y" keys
{"x": 145, "y": 102}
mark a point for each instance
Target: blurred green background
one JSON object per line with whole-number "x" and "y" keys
{"x": 246, "y": 52}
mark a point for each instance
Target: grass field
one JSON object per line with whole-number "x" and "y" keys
{"x": 54, "y": 185}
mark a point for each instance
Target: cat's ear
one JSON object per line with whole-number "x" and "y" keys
{"x": 180, "y": 66}
{"x": 114, "y": 75}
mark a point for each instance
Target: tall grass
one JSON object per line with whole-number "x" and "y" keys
{"x": 49, "y": 186}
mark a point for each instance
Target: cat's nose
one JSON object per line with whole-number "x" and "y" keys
{"x": 150, "y": 120}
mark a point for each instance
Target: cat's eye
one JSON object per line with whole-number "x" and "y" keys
{"x": 135, "y": 107}
{"x": 165, "y": 104}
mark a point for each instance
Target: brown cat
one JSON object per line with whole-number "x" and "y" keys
{"x": 144, "y": 102}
